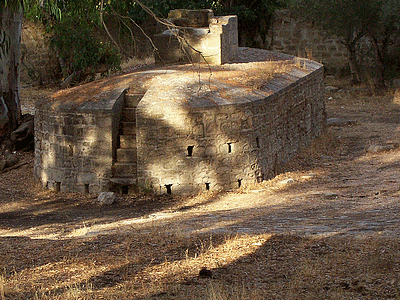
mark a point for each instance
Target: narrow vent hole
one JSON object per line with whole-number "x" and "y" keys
{"x": 125, "y": 189}
{"x": 190, "y": 151}
{"x": 169, "y": 188}
{"x": 58, "y": 186}
{"x": 207, "y": 186}
{"x": 86, "y": 188}
{"x": 229, "y": 147}
{"x": 258, "y": 142}
{"x": 239, "y": 182}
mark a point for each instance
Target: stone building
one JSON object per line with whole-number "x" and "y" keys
{"x": 182, "y": 128}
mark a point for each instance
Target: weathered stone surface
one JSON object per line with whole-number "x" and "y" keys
{"x": 127, "y": 141}
{"x": 106, "y": 198}
{"x": 211, "y": 39}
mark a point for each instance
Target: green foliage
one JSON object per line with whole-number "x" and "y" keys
{"x": 76, "y": 34}
{"x": 352, "y": 20}
{"x": 76, "y": 43}
{"x": 254, "y": 15}
{"x": 75, "y": 26}
{"x": 254, "y": 18}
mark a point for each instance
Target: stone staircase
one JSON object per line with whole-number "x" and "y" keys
{"x": 124, "y": 169}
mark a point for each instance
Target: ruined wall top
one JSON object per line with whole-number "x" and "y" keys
{"x": 191, "y": 18}
{"x": 199, "y": 36}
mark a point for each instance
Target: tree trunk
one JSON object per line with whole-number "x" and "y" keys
{"x": 353, "y": 63}
{"x": 10, "y": 53}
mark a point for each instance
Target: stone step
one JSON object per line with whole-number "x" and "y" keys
{"x": 127, "y": 128}
{"x": 132, "y": 100}
{"x": 129, "y": 114}
{"x": 127, "y": 141}
{"x": 126, "y": 155}
{"x": 124, "y": 170}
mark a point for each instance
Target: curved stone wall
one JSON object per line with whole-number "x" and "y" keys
{"x": 195, "y": 131}
{"x": 225, "y": 136}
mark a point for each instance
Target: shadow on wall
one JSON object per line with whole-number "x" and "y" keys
{"x": 195, "y": 136}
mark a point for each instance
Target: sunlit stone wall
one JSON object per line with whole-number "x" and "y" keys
{"x": 190, "y": 141}
{"x": 75, "y": 143}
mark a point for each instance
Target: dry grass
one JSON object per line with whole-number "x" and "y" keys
{"x": 244, "y": 267}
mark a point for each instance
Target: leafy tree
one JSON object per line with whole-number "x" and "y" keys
{"x": 352, "y": 20}
{"x": 346, "y": 19}
{"x": 385, "y": 33}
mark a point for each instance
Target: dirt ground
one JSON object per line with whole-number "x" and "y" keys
{"x": 327, "y": 227}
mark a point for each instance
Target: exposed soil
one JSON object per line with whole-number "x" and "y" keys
{"x": 327, "y": 227}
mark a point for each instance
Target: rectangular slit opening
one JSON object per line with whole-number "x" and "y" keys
{"x": 190, "y": 151}
{"x": 87, "y": 188}
{"x": 125, "y": 189}
{"x": 258, "y": 142}
{"x": 229, "y": 147}
{"x": 57, "y": 186}
{"x": 169, "y": 188}
{"x": 239, "y": 182}
{"x": 207, "y": 186}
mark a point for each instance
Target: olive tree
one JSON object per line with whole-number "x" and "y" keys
{"x": 346, "y": 19}
{"x": 385, "y": 36}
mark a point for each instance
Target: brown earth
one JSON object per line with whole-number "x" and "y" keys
{"x": 327, "y": 227}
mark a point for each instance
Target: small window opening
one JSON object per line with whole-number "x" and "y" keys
{"x": 125, "y": 189}
{"x": 229, "y": 147}
{"x": 58, "y": 186}
{"x": 258, "y": 142}
{"x": 169, "y": 188}
{"x": 207, "y": 186}
{"x": 190, "y": 151}
{"x": 87, "y": 188}
{"x": 239, "y": 182}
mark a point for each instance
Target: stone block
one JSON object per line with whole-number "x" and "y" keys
{"x": 128, "y": 128}
{"x": 125, "y": 169}
{"x": 126, "y": 155}
{"x": 132, "y": 100}
{"x": 127, "y": 141}
{"x": 129, "y": 114}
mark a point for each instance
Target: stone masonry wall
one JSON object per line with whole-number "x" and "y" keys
{"x": 300, "y": 38}
{"x": 75, "y": 143}
{"x": 185, "y": 148}
{"x": 191, "y": 135}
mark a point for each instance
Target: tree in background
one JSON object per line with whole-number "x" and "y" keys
{"x": 254, "y": 18}
{"x": 385, "y": 35}
{"x": 76, "y": 30}
{"x": 10, "y": 53}
{"x": 354, "y": 20}
{"x": 346, "y": 19}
